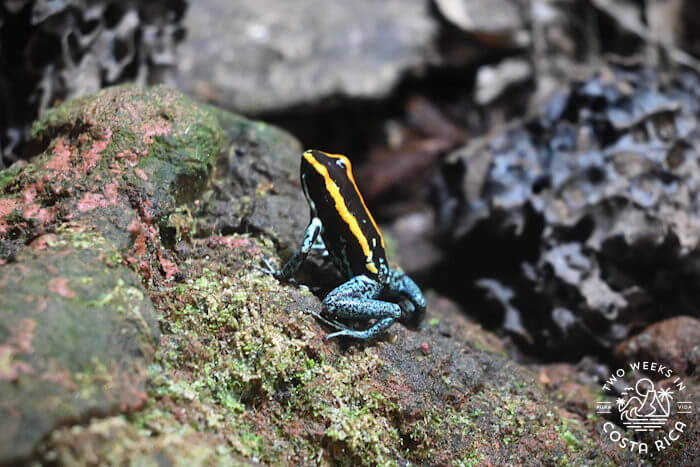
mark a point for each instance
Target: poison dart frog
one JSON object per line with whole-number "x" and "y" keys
{"x": 355, "y": 245}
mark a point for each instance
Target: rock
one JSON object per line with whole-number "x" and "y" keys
{"x": 445, "y": 318}
{"x": 117, "y": 161}
{"x": 483, "y": 16}
{"x": 569, "y": 388}
{"x": 584, "y": 213}
{"x": 77, "y": 330}
{"x": 674, "y": 342}
{"x": 244, "y": 371}
{"x": 256, "y": 187}
{"x": 493, "y": 81}
{"x": 78, "y": 327}
{"x": 265, "y": 56}
{"x": 412, "y": 233}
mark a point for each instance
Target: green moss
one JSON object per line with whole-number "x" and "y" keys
{"x": 475, "y": 458}
{"x": 56, "y": 117}
{"x": 235, "y": 346}
{"x": 242, "y": 371}
{"x": 81, "y": 237}
{"x": 8, "y": 175}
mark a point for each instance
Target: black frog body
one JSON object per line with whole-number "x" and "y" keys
{"x": 349, "y": 232}
{"x": 355, "y": 244}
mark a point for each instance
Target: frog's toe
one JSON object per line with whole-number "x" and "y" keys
{"x": 268, "y": 269}
{"x": 368, "y": 334}
{"x": 344, "y": 332}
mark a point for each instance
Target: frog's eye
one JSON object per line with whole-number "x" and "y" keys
{"x": 340, "y": 163}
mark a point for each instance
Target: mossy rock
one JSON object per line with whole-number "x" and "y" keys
{"x": 77, "y": 331}
{"x": 243, "y": 371}
{"x": 117, "y": 159}
{"x": 82, "y": 250}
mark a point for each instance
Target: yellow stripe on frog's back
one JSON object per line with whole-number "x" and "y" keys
{"x": 342, "y": 208}
{"x": 362, "y": 200}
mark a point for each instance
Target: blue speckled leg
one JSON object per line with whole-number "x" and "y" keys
{"x": 402, "y": 286}
{"x": 295, "y": 262}
{"x": 357, "y": 299}
{"x": 376, "y": 329}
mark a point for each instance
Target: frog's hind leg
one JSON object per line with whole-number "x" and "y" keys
{"x": 357, "y": 299}
{"x": 400, "y": 285}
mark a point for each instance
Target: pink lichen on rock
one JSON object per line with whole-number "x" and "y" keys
{"x": 66, "y": 162}
{"x": 111, "y": 191}
{"x": 134, "y": 154}
{"x": 29, "y": 194}
{"x": 92, "y": 155}
{"x": 141, "y": 174}
{"x": 138, "y": 233}
{"x": 150, "y": 130}
{"x": 7, "y": 206}
{"x": 134, "y": 227}
{"x": 11, "y": 369}
{"x": 131, "y": 157}
{"x": 19, "y": 343}
{"x": 42, "y": 215}
{"x": 102, "y": 144}
{"x": 91, "y": 201}
{"x": 23, "y": 335}
{"x": 60, "y": 377}
{"x": 233, "y": 243}
{"x": 43, "y": 242}
{"x": 60, "y": 163}
{"x": 96, "y": 200}
{"x": 59, "y": 285}
{"x": 169, "y": 267}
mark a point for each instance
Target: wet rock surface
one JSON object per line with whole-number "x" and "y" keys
{"x": 77, "y": 331}
{"x": 240, "y": 370}
{"x": 265, "y": 56}
{"x": 255, "y": 188}
{"x": 582, "y": 220}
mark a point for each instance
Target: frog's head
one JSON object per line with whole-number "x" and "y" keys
{"x": 337, "y": 168}
{"x": 326, "y": 178}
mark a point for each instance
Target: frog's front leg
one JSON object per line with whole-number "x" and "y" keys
{"x": 295, "y": 262}
{"x": 320, "y": 246}
{"x": 357, "y": 299}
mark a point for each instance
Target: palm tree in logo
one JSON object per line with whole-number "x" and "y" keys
{"x": 663, "y": 401}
